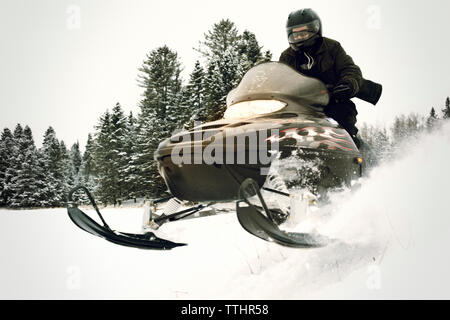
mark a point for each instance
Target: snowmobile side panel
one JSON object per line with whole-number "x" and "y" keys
{"x": 258, "y": 224}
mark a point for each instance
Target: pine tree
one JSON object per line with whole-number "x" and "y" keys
{"x": 118, "y": 153}
{"x": 378, "y": 140}
{"x": 229, "y": 56}
{"x": 87, "y": 164}
{"x": 161, "y": 113}
{"x": 220, "y": 48}
{"x": 399, "y": 131}
{"x": 74, "y": 164}
{"x": 75, "y": 158}
{"x": 102, "y": 159}
{"x": 446, "y": 110}
{"x": 431, "y": 120}
{"x": 15, "y": 164}
{"x": 194, "y": 96}
{"x": 86, "y": 173}
{"x": 215, "y": 92}
{"x": 249, "y": 48}
{"x": 6, "y": 154}
{"x": 53, "y": 163}
{"x": 110, "y": 156}
{"x": 69, "y": 177}
{"x": 223, "y": 36}
{"x": 160, "y": 77}
{"x": 149, "y": 183}
{"x": 25, "y": 185}
{"x": 223, "y": 75}
{"x": 414, "y": 124}
{"x": 42, "y": 181}
{"x": 381, "y": 144}
{"x": 131, "y": 169}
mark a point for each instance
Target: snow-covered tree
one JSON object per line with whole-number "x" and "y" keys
{"x": 446, "y": 110}
{"x": 408, "y": 126}
{"x": 73, "y": 164}
{"x": 431, "y": 120}
{"x": 148, "y": 182}
{"x": 75, "y": 158}
{"x": 102, "y": 158}
{"x": 399, "y": 130}
{"x": 15, "y": 163}
{"x": 222, "y": 37}
{"x": 223, "y": 74}
{"x": 215, "y": 92}
{"x": 194, "y": 95}
{"x": 249, "y": 48}
{"x": 131, "y": 168}
{"x": 7, "y": 153}
{"x": 110, "y": 156}
{"x": 377, "y": 138}
{"x": 118, "y": 154}
{"x": 87, "y": 163}
{"x": 414, "y": 124}
{"x": 381, "y": 144}
{"x": 228, "y": 56}
{"x": 25, "y": 185}
{"x": 86, "y": 173}
{"x": 69, "y": 176}
{"x": 160, "y": 78}
{"x": 161, "y": 113}
{"x": 53, "y": 163}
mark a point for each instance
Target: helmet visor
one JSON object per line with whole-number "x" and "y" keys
{"x": 303, "y": 32}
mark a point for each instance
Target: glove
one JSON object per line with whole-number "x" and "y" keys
{"x": 342, "y": 92}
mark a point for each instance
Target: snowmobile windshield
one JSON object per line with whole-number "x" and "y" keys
{"x": 303, "y": 32}
{"x": 278, "y": 82}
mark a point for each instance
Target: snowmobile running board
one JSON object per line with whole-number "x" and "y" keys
{"x": 263, "y": 226}
{"x": 142, "y": 241}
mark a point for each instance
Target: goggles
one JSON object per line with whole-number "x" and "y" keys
{"x": 303, "y": 32}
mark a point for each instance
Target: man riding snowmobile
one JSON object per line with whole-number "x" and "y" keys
{"x": 277, "y": 114}
{"x": 319, "y": 57}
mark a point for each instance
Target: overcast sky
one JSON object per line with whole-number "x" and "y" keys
{"x": 63, "y": 63}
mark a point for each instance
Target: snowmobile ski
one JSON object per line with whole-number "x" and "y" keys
{"x": 264, "y": 226}
{"x": 142, "y": 241}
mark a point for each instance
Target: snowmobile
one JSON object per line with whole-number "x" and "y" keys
{"x": 273, "y": 117}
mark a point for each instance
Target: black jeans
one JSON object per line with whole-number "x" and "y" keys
{"x": 345, "y": 114}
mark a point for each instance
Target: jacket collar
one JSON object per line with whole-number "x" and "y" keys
{"x": 319, "y": 48}
{"x": 322, "y": 46}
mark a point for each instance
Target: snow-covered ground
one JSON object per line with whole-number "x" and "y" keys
{"x": 394, "y": 231}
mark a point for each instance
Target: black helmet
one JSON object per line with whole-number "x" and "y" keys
{"x": 303, "y": 27}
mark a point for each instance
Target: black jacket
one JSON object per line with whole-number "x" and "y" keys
{"x": 333, "y": 66}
